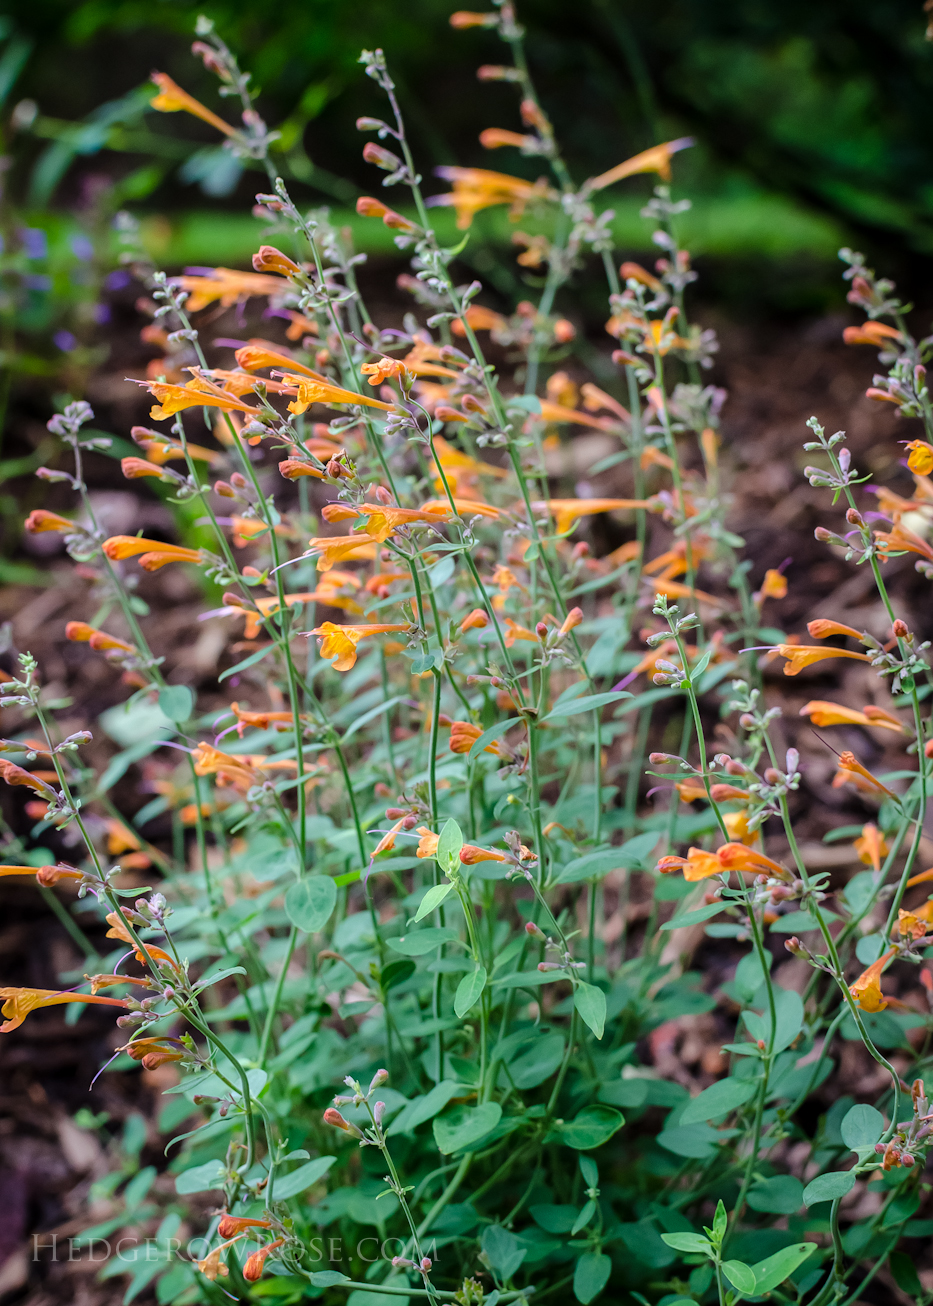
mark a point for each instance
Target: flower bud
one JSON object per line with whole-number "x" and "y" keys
{"x": 823, "y": 535}
{"x": 795, "y": 947}
{"x": 425, "y": 1264}
{"x": 379, "y": 1078}
{"x": 381, "y": 157}
{"x": 761, "y": 1045}
{"x": 535, "y": 932}
{"x": 573, "y": 618}
{"x": 854, "y": 517}
{"x": 791, "y": 760}
{"x": 659, "y": 759}
{"x": 899, "y": 629}
{"x": 379, "y": 1111}
{"x": 545, "y": 966}
{"x": 541, "y": 629}
{"x": 747, "y": 721}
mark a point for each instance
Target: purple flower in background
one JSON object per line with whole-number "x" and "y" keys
{"x": 35, "y": 281}
{"x": 118, "y": 280}
{"x": 65, "y": 341}
{"x": 101, "y": 313}
{"x": 82, "y": 248}
{"x": 35, "y": 242}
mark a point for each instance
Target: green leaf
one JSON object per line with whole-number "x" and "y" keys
{"x": 448, "y": 847}
{"x": 177, "y": 702}
{"x": 720, "y": 1222}
{"x": 247, "y": 662}
{"x": 789, "y": 1010}
{"x": 589, "y": 1170}
{"x": 782, "y": 1195}
{"x": 627, "y": 856}
{"x": 591, "y": 1275}
{"x": 862, "y": 1126}
{"x": 422, "y": 941}
{"x": 370, "y": 715}
{"x": 775, "y": 1269}
{"x": 467, "y": 1125}
{"x": 905, "y": 1274}
{"x": 327, "y": 1278}
{"x": 309, "y": 903}
{"x": 555, "y": 1219}
{"x": 589, "y": 703}
{"x": 200, "y": 1178}
{"x": 694, "y": 917}
{"x": 691, "y": 1243}
{"x": 718, "y": 1100}
{"x": 697, "y": 1141}
{"x": 432, "y": 899}
{"x": 469, "y": 990}
{"x": 291, "y": 1185}
{"x": 584, "y": 1217}
{"x": 396, "y": 972}
{"x": 503, "y": 1250}
{"x": 827, "y": 1187}
{"x": 740, "y": 1275}
{"x": 488, "y": 736}
{"x": 591, "y": 1127}
{"x": 590, "y": 1003}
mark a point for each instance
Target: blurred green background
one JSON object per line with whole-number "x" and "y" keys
{"x": 812, "y": 120}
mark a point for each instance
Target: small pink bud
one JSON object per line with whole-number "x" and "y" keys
{"x": 379, "y": 1111}
{"x": 426, "y": 1264}
{"x": 379, "y": 1078}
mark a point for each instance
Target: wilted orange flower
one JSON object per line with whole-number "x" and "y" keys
{"x": 899, "y": 539}
{"x": 17, "y": 775}
{"x": 18, "y": 1003}
{"x": 866, "y": 990}
{"x": 212, "y": 1267}
{"x": 464, "y": 734}
{"x": 910, "y": 925}
{"x": 269, "y": 259}
{"x": 40, "y": 519}
{"x": 323, "y": 392}
{"x": 870, "y": 333}
{"x": 567, "y": 512}
{"x": 700, "y": 864}
{"x": 155, "y": 553}
{"x": 476, "y": 188}
{"x": 339, "y": 642}
{"x": 656, "y": 159}
{"x": 172, "y": 99}
{"x": 823, "y": 713}
{"x": 804, "y": 655}
{"x": 871, "y": 847}
{"x": 851, "y": 771}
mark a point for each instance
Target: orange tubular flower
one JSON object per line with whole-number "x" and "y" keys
{"x": 559, "y": 414}
{"x": 900, "y": 540}
{"x": 478, "y": 318}
{"x": 45, "y": 875}
{"x": 18, "y": 1003}
{"x": 804, "y": 655}
{"x": 381, "y": 370}
{"x": 232, "y": 1224}
{"x": 823, "y": 713}
{"x": 255, "y": 355}
{"x": 470, "y": 855}
{"x": 172, "y": 99}
{"x": 155, "y": 553}
{"x": 367, "y": 207}
{"x": 476, "y": 188}
{"x": 465, "y": 507}
{"x": 673, "y": 589}
{"x": 921, "y": 457}
{"x": 40, "y": 519}
{"x": 135, "y": 468}
{"x": 212, "y": 1267}
{"x": 467, "y": 18}
{"x": 567, "y": 512}
{"x": 427, "y": 845}
{"x": 871, "y": 847}
{"x": 475, "y": 620}
{"x": 910, "y": 925}
{"x": 823, "y": 627}
{"x": 852, "y": 771}
{"x": 16, "y": 775}
{"x": 867, "y": 988}
{"x": 700, "y": 864}
{"x": 339, "y": 642}
{"x": 923, "y": 878}
{"x": 119, "y": 930}
{"x": 386, "y": 518}
{"x": 774, "y": 586}
{"x": 635, "y": 272}
{"x": 253, "y": 1268}
{"x": 493, "y": 138}
{"x": 870, "y": 333}
{"x": 322, "y": 392}
{"x": 228, "y": 286}
{"x": 513, "y": 632}
{"x": 332, "y": 549}
{"x": 80, "y": 632}
{"x": 464, "y": 734}
{"x": 270, "y": 259}
{"x": 292, "y": 468}
{"x": 657, "y": 159}
{"x": 197, "y": 393}
{"x": 259, "y": 720}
